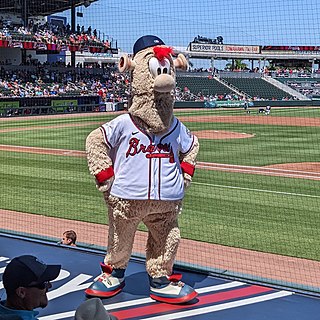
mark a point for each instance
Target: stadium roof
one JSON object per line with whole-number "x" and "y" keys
{"x": 40, "y": 7}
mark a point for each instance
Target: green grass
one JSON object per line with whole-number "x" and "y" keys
{"x": 273, "y": 145}
{"x": 312, "y": 112}
{"x": 269, "y": 214}
{"x": 254, "y": 212}
{"x": 270, "y": 145}
{"x": 33, "y": 123}
{"x": 50, "y": 185}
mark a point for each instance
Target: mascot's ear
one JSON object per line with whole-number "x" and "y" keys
{"x": 126, "y": 64}
{"x": 181, "y": 62}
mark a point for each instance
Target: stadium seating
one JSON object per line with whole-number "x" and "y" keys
{"x": 259, "y": 88}
{"x": 307, "y": 86}
{"x": 203, "y": 85}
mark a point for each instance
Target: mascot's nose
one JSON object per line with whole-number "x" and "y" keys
{"x": 164, "y": 83}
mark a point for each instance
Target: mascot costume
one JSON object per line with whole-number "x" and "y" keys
{"x": 142, "y": 162}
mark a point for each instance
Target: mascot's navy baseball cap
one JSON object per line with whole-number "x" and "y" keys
{"x": 27, "y": 271}
{"x": 146, "y": 42}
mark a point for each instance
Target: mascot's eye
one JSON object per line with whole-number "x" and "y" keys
{"x": 157, "y": 67}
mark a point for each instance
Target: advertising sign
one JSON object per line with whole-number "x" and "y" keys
{"x": 226, "y": 48}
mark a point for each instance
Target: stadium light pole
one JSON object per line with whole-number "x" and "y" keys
{"x": 24, "y": 12}
{"x": 73, "y": 30}
{"x": 24, "y": 17}
{"x": 212, "y": 66}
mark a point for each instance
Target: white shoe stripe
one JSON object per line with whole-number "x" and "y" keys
{"x": 168, "y": 290}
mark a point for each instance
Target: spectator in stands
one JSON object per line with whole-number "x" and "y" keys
{"x": 43, "y": 81}
{"x": 26, "y": 281}
{"x": 69, "y": 238}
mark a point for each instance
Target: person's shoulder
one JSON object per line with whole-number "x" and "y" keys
{"x": 8, "y": 314}
{"x": 3, "y": 309}
{"x": 10, "y": 317}
{"x": 12, "y": 314}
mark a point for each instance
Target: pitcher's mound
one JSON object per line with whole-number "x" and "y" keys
{"x": 218, "y": 134}
{"x": 303, "y": 166}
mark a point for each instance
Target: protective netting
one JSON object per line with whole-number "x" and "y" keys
{"x": 249, "y": 95}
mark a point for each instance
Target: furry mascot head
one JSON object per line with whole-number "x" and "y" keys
{"x": 142, "y": 161}
{"x": 153, "y": 80}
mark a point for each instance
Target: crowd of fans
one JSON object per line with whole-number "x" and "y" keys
{"x": 300, "y": 79}
{"x": 44, "y": 81}
{"x": 58, "y": 35}
{"x": 47, "y": 81}
{"x": 301, "y": 72}
{"x": 56, "y": 79}
{"x": 289, "y": 72}
{"x": 308, "y": 88}
{"x": 111, "y": 86}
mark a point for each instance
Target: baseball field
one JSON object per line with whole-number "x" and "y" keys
{"x": 256, "y": 186}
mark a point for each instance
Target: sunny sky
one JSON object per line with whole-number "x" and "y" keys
{"x": 255, "y": 22}
{"x": 178, "y": 22}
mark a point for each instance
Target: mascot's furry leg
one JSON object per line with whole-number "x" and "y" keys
{"x": 161, "y": 218}
{"x": 162, "y": 246}
{"x": 122, "y": 228}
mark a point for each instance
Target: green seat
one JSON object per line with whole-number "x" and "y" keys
{"x": 257, "y": 87}
{"x": 203, "y": 85}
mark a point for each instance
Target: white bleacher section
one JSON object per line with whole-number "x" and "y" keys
{"x": 285, "y": 88}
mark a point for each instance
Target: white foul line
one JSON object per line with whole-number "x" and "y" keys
{"x": 257, "y": 190}
{"x": 264, "y": 169}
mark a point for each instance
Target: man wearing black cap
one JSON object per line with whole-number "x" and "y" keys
{"x": 26, "y": 280}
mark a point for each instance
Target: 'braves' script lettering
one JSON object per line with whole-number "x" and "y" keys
{"x": 159, "y": 150}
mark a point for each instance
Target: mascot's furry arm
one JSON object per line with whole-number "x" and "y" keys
{"x": 99, "y": 161}
{"x": 188, "y": 162}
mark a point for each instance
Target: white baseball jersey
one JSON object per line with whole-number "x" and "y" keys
{"x": 146, "y": 166}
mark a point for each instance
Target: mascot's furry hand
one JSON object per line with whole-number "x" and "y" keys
{"x": 187, "y": 180}
{"x": 105, "y": 186}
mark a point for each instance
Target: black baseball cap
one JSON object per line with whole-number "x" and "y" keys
{"x": 26, "y": 270}
{"x": 146, "y": 42}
